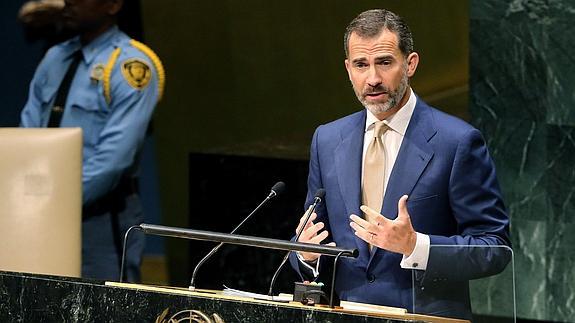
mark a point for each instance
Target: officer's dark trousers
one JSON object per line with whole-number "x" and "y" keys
{"x": 103, "y": 228}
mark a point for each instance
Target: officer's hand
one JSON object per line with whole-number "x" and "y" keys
{"x": 393, "y": 235}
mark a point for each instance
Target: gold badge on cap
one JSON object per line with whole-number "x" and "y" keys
{"x": 97, "y": 73}
{"x": 137, "y": 73}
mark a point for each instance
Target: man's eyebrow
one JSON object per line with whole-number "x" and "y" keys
{"x": 359, "y": 59}
{"x": 384, "y": 56}
{"x": 377, "y": 59}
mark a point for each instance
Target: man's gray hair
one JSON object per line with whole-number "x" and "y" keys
{"x": 371, "y": 23}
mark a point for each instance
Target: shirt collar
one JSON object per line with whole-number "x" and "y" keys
{"x": 93, "y": 48}
{"x": 398, "y": 121}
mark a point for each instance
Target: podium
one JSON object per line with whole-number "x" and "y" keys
{"x": 40, "y": 298}
{"x": 41, "y": 200}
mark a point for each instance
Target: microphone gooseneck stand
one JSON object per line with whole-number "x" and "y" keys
{"x": 319, "y": 194}
{"x": 277, "y": 189}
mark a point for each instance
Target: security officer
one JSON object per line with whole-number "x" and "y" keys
{"x": 107, "y": 84}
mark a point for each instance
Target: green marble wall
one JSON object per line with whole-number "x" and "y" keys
{"x": 522, "y": 64}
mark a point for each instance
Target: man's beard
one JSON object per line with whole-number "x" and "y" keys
{"x": 394, "y": 96}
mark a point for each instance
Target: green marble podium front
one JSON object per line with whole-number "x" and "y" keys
{"x": 39, "y": 298}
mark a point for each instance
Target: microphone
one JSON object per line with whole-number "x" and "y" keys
{"x": 319, "y": 195}
{"x": 276, "y": 190}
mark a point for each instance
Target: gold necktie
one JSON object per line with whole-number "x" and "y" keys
{"x": 374, "y": 171}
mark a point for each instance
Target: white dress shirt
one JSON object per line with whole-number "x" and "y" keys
{"x": 392, "y": 139}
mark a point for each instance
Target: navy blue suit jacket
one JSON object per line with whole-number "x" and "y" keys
{"x": 445, "y": 168}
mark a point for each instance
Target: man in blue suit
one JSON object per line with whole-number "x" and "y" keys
{"x": 412, "y": 197}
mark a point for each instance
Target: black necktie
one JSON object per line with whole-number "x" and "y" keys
{"x": 62, "y": 94}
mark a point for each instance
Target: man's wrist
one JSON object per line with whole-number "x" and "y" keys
{"x": 420, "y": 255}
{"x": 307, "y": 261}
{"x": 312, "y": 266}
{"x": 412, "y": 242}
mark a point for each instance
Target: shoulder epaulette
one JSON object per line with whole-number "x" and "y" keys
{"x": 148, "y": 52}
{"x": 108, "y": 74}
{"x": 157, "y": 64}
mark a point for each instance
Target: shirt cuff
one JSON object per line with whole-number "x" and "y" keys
{"x": 315, "y": 270}
{"x": 419, "y": 256}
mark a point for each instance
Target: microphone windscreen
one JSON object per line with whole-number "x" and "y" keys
{"x": 320, "y": 193}
{"x": 279, "y": 187}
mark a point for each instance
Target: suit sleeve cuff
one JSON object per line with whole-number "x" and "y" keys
{"x": 419, "y": 256}
{"x": 314, "y": 268}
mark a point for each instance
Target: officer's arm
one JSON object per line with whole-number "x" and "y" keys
{"x": 122, "y": 136}
{"x": 31, "y": 115}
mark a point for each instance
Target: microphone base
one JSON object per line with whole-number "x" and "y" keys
{"x": 308, "y": 293}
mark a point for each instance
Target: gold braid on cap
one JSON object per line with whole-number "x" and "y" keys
{"x": 157, "y": 64}
{"x": 108, "y": 73}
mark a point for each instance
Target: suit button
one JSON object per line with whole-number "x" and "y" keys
{"x": 371, "y": 278}
{"x": 415, "y": 265}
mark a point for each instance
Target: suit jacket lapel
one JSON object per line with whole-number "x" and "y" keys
{"x": 348, "y": 157}
{"x": 414, "y": 155}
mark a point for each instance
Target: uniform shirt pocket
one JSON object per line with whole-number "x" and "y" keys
{"x": 85, "y": 112}
{"x": 47, "y": 94}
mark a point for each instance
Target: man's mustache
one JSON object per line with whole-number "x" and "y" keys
{"x": 377, "y": 89}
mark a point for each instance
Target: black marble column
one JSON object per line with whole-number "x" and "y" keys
{"x": 522, "y": 94}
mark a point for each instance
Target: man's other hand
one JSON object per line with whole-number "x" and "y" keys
{"x": 395, "y": 235}
{"x": 312, "y": 233}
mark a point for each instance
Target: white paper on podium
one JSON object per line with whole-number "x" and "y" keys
{"x": 236, "y": 292}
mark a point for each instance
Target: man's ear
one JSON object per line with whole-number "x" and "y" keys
{"x": 348, "y": 67}
{"x": 412, "y": 62}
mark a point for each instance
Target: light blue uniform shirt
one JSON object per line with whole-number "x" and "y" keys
{"x": 112, "y": 133}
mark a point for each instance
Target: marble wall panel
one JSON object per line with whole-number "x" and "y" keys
{"x": 522, "y": 80}
{"x": 529, "y": 238}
